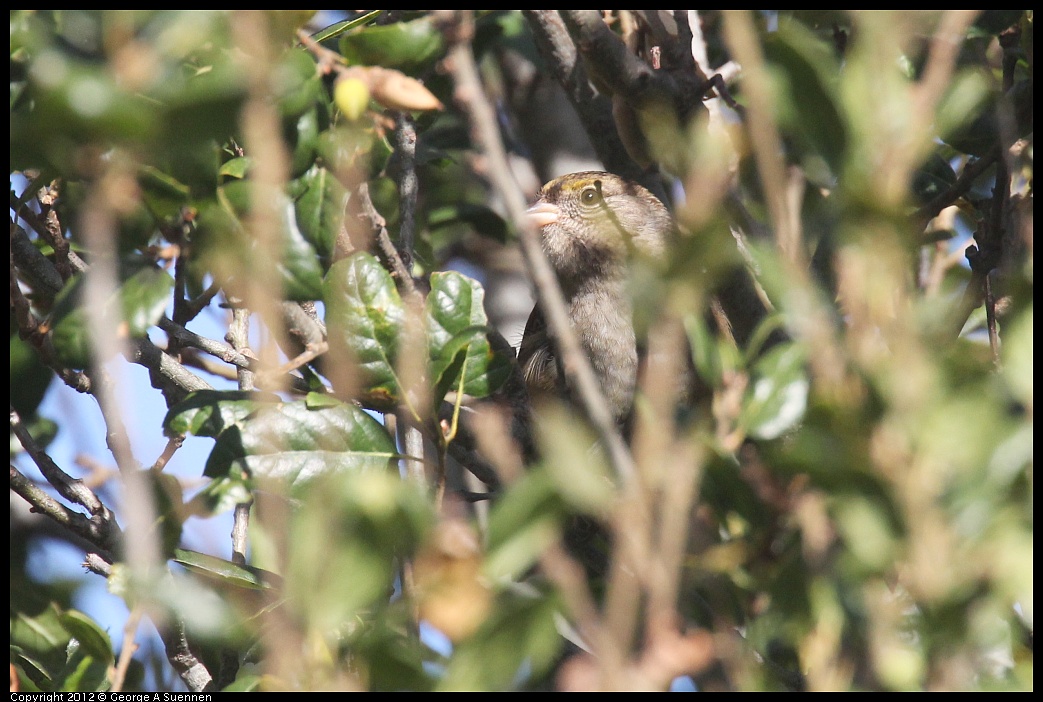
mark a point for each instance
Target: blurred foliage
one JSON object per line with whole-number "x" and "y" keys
{"x": 859, "y": 504}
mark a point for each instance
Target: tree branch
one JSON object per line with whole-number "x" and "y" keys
{"x": 75, "y": 522}
{"x": 594, "y": 110}
{"x": 102, "y": 529}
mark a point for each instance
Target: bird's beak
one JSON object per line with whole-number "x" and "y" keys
{"x": 542, "y": 213}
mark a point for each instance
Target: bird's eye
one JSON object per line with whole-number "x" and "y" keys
{"x": 590, "y": 195}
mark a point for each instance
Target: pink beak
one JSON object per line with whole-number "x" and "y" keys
{"x": 542, "y": 213}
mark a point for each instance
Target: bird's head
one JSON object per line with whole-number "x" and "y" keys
{"x": 592, "y": 221}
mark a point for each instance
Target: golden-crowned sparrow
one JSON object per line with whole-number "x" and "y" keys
{"x": 591, "y": 223}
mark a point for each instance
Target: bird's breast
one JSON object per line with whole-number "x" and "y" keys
{"x": 603, "y": 320}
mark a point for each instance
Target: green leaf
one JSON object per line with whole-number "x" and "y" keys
{"x": 168, "y": 501}
{"x": 83, "y": 672}
{"x": 82, "y": 101}
{"x": 210, "y": 412}
{"x": 482, "y": 218}
{"x": 933, "y": 178}
{"x": 235, "y": 167}
{"x": 408, "y": 46}
{"x": 299, "y": 266}
{"x": 140, "y": 300}
{"x": 198, "y": 601}
{"x": 245, "y": 682}
{"x": 60, "y": 649}
{"x": 364, "y": 318}
{"x": 222, "y": 494}
{"x": 225, "y": 571}
{"x": 144, "y": 297}
{"x": 522, "y": 524}
{"x": 291, "y": 441}
{"x": 806, "y": 69}
{"x": 228, "y": 245}
{"x": 93, "y": 639}
{"x": 574, "y": 461}
{"x": 318, "y": 400}
{"x": 778, "y": 393}
{"x": 40, "y": 639}
{"x": 319, "y": 209}
{"x": 297, "y": 84}
{"x": 303, "y": 138}
{"x": 30, "y": 377}
{"x": 712, "y": 356}
{"x": 966, "y": 114}
{"x": 338, "y": 28}
{"x": 394, "y": 656}
{"x": 456, "y": 325}
{"x": 868, "y": 532}
{"x": 203, "y": 105}
{"x": 1018, "y": 357}
{"x": 258, "y": 434}
{"x": 362, "y": 520}
{"x": 162, "y": 185}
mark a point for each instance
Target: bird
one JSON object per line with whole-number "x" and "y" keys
{"x": 592, "y": 224}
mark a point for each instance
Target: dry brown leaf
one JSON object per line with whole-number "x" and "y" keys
{"x": 394, "y": 89}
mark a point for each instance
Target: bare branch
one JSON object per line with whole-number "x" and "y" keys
{"x": 191, "y": 670}
{"x": 187, "y": 337}
{"x": 68, "y": 487}
{"x": 594, "y": 110}
{"x": 96, "y": 532}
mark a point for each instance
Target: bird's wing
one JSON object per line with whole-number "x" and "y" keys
{"x": 536, "y": 355}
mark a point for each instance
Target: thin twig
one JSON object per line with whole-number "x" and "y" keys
{"x": 166, "y": 373}
{"x": 30, "y": 328}
{"x": 97, "y": 563}
{"x": 240, "y": 532}
{"x": 303, "y": 358}
{"x": 66, "y": 261}
{"x": 238, "y": 336}
{"x": 173, "y": 444}
{"x": 36, "y": 269}
{"x": 961, "y": 186}
{"x": 130, "y": 630}
{"x": 408, "y": 186}
{"x": 379, "y": 227}
{"x": 741, "y": 38}
{"x": 186, "y": 337}
{"x": 68, "y": 487}
{"x": 196, "y": 305}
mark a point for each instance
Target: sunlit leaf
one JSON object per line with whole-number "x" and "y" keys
{"x": 456, "y": 324}
{"x": 364, "y": 316}
{"x": 778, "y": 394}
{"x": 210, "y": 412}
{"x": 288, "y": 440}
